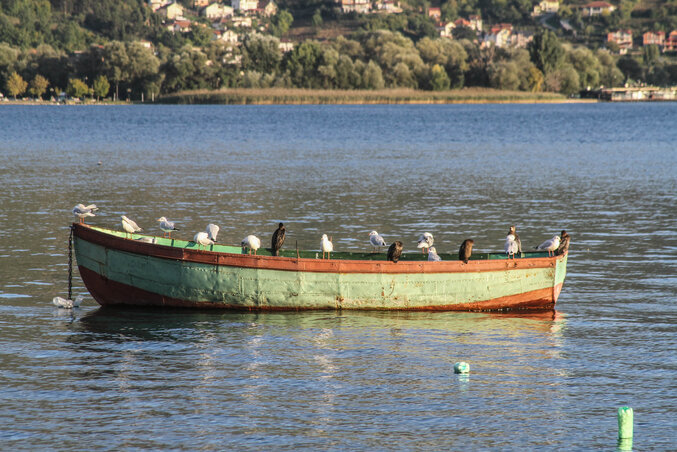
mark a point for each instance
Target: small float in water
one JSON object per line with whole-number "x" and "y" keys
{"x": 123, "y": 269}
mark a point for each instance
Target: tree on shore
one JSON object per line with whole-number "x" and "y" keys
{"x": 100, "y": 87}
{"x": 439, "y": 80}
{"x": 129, "y": 65}
{"x": 38, "y": 86}
{"x": 535, "y": 79}
{"x": 316, "y": 20}
{"x": 302, "y": 64}
{"x": 76, "y": 88}
{"x": 546, "y": 51}
{"x": 16, "y": 85}
{"x": 280, "y": 23}
{"x": 261, "y": 53}
{"x": 372, "y": 76}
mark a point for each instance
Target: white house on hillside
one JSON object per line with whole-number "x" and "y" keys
{"x": 245, "y": 5}
{"x": 228, "y": 36}
{"x": 216, "y": 11}
{"x": 358, "y": 6}
{"x": 546, "y": 6}
{"x": 171, "y": 11}
{"x": 597, "y": 8}
{"x": 267, "y": 8}
{"x": 157, "y": 4}
{"x": 475, "y": 22}
{"x": 446, "y": 29}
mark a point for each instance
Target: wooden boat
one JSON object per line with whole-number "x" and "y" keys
{"x": 119, "y": 268}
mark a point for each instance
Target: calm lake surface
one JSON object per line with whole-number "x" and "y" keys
{"x": 125, "y": 379}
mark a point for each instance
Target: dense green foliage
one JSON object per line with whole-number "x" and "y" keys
{"x": 73, "y": 24}
{"x": 92, "y": 47}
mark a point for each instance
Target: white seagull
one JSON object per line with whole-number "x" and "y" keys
{"x": 327, "y": 246}
{"x": 81, "y": 211}
{"x": 425, "y": 241}
{"x": 550, "y": 245}
{"x": 202, "y": 238}
{"x": 432, "y": 255}
{"x": 511, "y": 245}
{"x": 252, "y": 243}
{"x": 376, "y": 240}
{"x": 129, "y": 226}
{"x": 63, "y": 303}
{"x": 166, "y": 226}
{"x": 147, "y": 240}
{"x": 212, "y": 231}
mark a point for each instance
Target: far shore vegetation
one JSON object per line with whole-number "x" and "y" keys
{"x": 309, "y": 51}
{"x": 288, "y": 96}
{"x": 299, "y": 96}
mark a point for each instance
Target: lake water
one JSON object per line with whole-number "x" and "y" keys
{"x": 125, "y": 379}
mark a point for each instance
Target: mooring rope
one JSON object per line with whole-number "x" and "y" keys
{"x": 70, "y": 264}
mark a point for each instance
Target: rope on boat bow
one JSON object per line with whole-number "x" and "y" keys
{"x": 70, "y": 264}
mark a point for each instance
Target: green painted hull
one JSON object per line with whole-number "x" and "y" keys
{"x": 120, "y": 271}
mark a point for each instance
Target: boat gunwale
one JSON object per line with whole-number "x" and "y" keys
{"x": 99, "y": 236}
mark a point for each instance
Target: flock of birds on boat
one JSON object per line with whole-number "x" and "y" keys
{"x": 557, "y": 245}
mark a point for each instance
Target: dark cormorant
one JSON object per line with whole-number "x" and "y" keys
{"x": 278, "y": 239}
{"x": 395, "y": 251}
{"x": 465, "y": 251}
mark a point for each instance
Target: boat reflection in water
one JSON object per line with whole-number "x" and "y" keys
{"x": 325, "y": 367}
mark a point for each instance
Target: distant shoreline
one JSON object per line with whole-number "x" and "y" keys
{"x": 296, "y": 96}
{"x": 289, "y": 96}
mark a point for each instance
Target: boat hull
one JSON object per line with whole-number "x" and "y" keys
{"x": 116, "y": 270}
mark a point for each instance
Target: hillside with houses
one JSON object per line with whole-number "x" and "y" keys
{"x": 141, "y": 49}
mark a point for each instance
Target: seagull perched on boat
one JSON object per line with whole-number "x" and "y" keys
{"x": 432, "y": 255}
{"x": 81, "y": 211}
{"x": 549, "y": 245}
{"x": 278, "y": 239}
{"x": 465, "y": 251}
{"x": 376, "y": 240}
{"x": 129, "y": 226}
{"x": 563, "y": 247}
{"x": 63, "y": 303}
{"x": 395, "y": 251}
{"x": 202, "y": 238}
{"x": 425, "y": 241}
{"x": 252, "y": 243}
{"x": 166, "y": 226}
{"x": 212, "y": 231}
{"x": 146, "y": 240}
{"x": 327, "y": 246}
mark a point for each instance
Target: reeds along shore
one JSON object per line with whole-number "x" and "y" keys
{"x": 262, "y": 96}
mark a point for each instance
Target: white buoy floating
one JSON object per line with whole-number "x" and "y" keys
{"x": 64, "y": 303}
{"x": 461, "y": 367}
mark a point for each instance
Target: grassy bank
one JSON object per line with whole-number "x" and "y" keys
{"x": 263, "y": 96}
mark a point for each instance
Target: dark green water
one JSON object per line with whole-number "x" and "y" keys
{"x": 183, "y": 380}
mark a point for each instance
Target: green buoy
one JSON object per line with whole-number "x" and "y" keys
{"x": 625, "y": 422}
{"x": 461, "y": 368}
